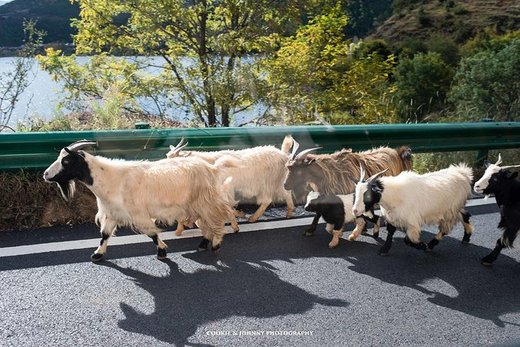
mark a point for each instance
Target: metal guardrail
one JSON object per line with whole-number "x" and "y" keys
{"x": 38, "y": 150}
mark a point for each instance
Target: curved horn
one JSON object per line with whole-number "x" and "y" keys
{"x": 296, "y": 145}
{"x": 76, "y": 146}
{"x": 377, "y": 175}
{"x": 509, "y": 167}
{"x": 361, "y": 173}
{"x": 182, "y": 143}
{"x": 499, "y": 161}
{"x": 302, "y": 154}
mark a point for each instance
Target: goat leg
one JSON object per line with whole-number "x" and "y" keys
{"x": 388, "y": 243}
{"x": 312, "y": 228}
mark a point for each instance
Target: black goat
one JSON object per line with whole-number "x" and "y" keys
{"x": 506, "y": 188}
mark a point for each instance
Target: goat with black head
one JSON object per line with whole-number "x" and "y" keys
{"x": 501, "y": 182}
{"x": 140, "y": 193}
{"x": 410, "y": 200}
{"x": 337, "y": 173}
{"x": 336, "y": 210}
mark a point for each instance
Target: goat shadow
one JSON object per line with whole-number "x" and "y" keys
{"x": 483, "y": 292}
{"x": 185, "y": 301}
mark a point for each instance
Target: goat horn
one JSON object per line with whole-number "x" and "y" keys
{"x": 296, "y": 145}
{"x": 361, "y": 173}
{"x": 499, "y": 161}
{"x": 81, "y": 144}
{"x": 302, "y": 154}
{"x": 509, "y": 167}
{"x": 182, "y": 143}
{"x": 377, "y": 175}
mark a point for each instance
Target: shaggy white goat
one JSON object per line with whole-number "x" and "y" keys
{"x": 140, "y": 193}
{"x": 259, "y": 174}
{"x": 410, "y": 200}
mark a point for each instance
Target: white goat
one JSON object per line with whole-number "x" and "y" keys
{"x": 336, "y": 210}
{"x": 410, "y": 200}
{"x": 259, "y": 174}
{"x": 139, "y": 193}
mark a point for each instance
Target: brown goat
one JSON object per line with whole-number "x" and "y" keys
{"x": 337, "y": 173}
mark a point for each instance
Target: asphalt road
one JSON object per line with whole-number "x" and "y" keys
{"x": 271, "y": 287}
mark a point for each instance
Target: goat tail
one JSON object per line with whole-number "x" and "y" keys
{"x": 405, "y": 153}
{"x": 287, "y": 144}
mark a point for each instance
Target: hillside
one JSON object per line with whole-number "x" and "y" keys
{"x": 460, "y": 19}
{"x": 53, "y": 17}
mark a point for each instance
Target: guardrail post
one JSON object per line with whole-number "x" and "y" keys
{"x": 482, "y": 154}
{"x": 142, "y": 125}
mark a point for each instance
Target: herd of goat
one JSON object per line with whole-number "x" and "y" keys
{"x": 197, "y": 187}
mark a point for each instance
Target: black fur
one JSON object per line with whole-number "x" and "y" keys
{"x": 74, "y": 166}
{"x": 330, "y": 207}
{"x": 506, "y": 188}
{"x": 373, "y": 195}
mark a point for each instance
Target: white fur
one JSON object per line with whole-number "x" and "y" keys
{"x": 259, "y": 175}
{"x": 410, "y": 200}
{"x": 138, "y": 193}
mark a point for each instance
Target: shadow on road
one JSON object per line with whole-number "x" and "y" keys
{"x": 185, "y": 301}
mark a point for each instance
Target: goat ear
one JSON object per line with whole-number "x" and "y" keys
{"x": 309, "y": 161}
{"x": 375, "y": 188}
{"x": 487, "y": 163}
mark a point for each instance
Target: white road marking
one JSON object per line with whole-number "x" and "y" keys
{"x": 168, "y": 235}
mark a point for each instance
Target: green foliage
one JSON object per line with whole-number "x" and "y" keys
{"x": 204, "y": 46}
{"x": 487, "y": 83}
{"x": 315, "y": 73}
{"x": 446, "y": 47}
{"x": 422, "y": 84}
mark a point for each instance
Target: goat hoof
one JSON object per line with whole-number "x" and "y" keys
{"x": 215, "y": 248}
{"x": 203, "y": 245}
{"x": 308, "y": 233}
{"x": 95, "y": 257}
{"x": 383, "y": 252}
{"x": 486, "y": 261}
{"x": 465, "y": 239}
{"x": 161, "y": 254}
{"x": 375, "y": 235}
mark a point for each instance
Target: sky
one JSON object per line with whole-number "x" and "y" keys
{"x": 4, "y": 2}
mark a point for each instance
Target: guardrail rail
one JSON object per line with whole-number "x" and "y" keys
{"x": 36, "y": 150}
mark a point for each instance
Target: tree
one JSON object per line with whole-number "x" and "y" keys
{"x": 422, "y": 84}
{"x": 15, "y": 81}
{"x": 487, "y": 83}
{"x": 204, "y": 46}
{"x": 317, "y": 71}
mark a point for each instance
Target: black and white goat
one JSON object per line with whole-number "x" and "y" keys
{"x": 410, "y": 200}
{"x": 336, "y": 210}
{"x": 140, "y": 193}
{"x": 505, "y": 186}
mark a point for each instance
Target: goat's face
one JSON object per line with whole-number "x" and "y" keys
{"x": 313, "y": 202}
{"x": 493, "y": 174}
{"x": 482, "y": 186}
{"x": 302, "y": 172}
{"x": 70, "y": 165}
{"x": 367, "y": 194}
{"x": 493, "y": 183}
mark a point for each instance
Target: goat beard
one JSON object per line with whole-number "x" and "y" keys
{"x": 67, "y": 188}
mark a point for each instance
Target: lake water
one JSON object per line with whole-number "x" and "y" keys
{"x": 41, "y": 98}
